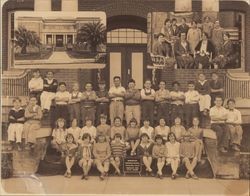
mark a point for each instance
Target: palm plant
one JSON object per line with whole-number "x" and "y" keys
{"x": 25, "y": 37}
{"x": 92, "y": 33}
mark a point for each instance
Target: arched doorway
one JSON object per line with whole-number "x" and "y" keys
{"x": 127, "y": 48}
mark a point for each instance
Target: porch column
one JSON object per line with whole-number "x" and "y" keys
{"x": 42, "y": 5}
{"x": 70, "y": 5}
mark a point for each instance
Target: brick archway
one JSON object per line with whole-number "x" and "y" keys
{"x": 127, "y": 21}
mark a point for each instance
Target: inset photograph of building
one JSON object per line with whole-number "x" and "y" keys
{"x": 74, "y": 39}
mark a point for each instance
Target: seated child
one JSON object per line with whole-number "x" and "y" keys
{"x": 69, "y": 150}
{"x": 85, "y": 151}
{"x": 132, "y": 135}
{"x": 74, "y": 129}
{"x": 196, "y": 134}
{"x": 59, "y": 134}
{"x": 102, "y": 153}
{"x": 16, "y": 121}
{"x": 90, "y": 129}
{"x": 117, "y": 128}
{"x": 103, "y": 127}
{"x": 33, "y": 115}
{"x": 187, "y": 153}
{"x": 159, "y": 152}
{"x": 49, "y": 91}
{"x": 234, "y": 123}
{"x": 144, "y": 150}
{"x": 173, "y": 154}
{"x": 162, "y": 129}
{"x": 118, "y": 151}
{"x": 146, "y": 128}
{"x": 178, "y": 129}
{"x": 36, "y": 85}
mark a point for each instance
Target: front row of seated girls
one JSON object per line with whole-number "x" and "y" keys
{"x": 104, "y": 146}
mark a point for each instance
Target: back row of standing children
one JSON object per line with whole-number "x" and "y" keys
{"x": 131, "y": 102}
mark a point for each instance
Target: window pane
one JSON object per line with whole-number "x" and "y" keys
{"x": 122, "y": 40}
{"x": 130, "y": 34}
{"x": 115, "y": 40}
{"x": 130, "y": 40}
{"x": 122, "y": 34}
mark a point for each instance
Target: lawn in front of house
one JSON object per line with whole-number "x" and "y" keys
{"x": 44, "y": 54}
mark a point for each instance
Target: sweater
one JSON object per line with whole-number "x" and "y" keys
{"x": 102, "y": 150}
{"x": 16, "y": 114}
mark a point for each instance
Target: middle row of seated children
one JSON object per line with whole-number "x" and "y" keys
{"x": 111, "y": 145}
{"x": 80, "y": 105}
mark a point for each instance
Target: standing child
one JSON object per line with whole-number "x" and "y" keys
{"x": 117, "y": 128}
{"x": 191, "y": 106}
{"x": 62, "y": 99}
{"x": 74, "y": 129}
{"x": 118, "y": 151}
{"x": 146, "y": 128}
{"x": 86, "y": 160}
{"x": 147, "y": 105}
{"x": 203, "y": 87}
{"x": 69, "y": 149}
{"x": 90, "y": 129}
{"x": 102, "y": 153}
{"x": 74, "y": 103}
{"x": 88, "y": 108}
{"x": 187, "y": 153}
{"x": 159, "y": 152}
{"x": 33, "y": 115}
{"x": 162, "y": 129}
{"x": 178, "y": 129}
{"x": 102, "y": 101}
{"x": 103, "y": 128}
{"x": 234, "y": 123}
{"x": 177, "y": 102}
{"x": 145, "y": 151}
{"x": 216, "y": 87}
{"x": 162, "y": 98}
{"x": 49, "y": 91}
{"x": 196, "y": 134}
{"x": 132, "y": 135}
{"x": 36, "y": 85}
{"x": 16, "y": 121}
{"x": 173, "y": 154}
{"x": 58, "y": 135}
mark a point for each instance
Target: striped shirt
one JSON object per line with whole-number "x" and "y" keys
{"x": 118, "y": 149}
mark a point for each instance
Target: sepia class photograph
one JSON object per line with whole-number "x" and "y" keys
{"x": 123, "y": 97}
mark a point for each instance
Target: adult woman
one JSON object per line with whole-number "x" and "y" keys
{"x": 217, "y": 36}
{"x": 204, "y": 52}
{"x": 183, "y": 53}
{"x": 225, "y": 53}
{"x": 193, "y": 36}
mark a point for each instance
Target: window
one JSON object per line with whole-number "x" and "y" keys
{"x": 127, "y": 36}
{"x": 56, "y": 5}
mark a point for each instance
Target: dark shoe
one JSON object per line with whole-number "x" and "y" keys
{"x": 69, "y": 175}
{"x": 173, "y": 176}
{"x": 160, "y": 176}
{"x": 151, "y": 174}
{"x": 66, "y": 174}
{"x": 83, "y": 177}
{"x": 86, "y": 177}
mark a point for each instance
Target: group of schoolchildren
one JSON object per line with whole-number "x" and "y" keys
{"x": 176, "y": 138}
